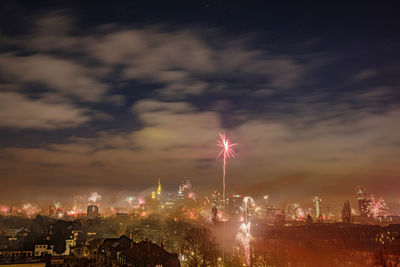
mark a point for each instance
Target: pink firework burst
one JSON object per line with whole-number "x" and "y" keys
{"x": 226, "y": 146}
{"x": 226, "y": 152}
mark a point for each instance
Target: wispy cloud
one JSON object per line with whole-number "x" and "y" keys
{"x": 17, "y": 111}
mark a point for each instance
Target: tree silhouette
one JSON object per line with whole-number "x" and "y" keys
{"x": 59, "y": 241}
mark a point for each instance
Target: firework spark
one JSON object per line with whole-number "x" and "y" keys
{"x": 94, "y": 197}
{"x": 226, "y": 152}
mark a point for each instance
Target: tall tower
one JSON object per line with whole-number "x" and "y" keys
{"x": 159, "y": 190}
{"x": 317, "y": 203}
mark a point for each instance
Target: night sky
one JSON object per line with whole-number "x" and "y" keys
{"x": 112, "y": 95}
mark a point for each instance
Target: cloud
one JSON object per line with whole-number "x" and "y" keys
{"x": 175, "y": 62}
{"x": 263, "y": 92}
{"x": 365, "y": 74}
{"x": 280, "y": 72}
{"x": 63, "y": 76}
{"x": 18, "y": 111}
{"x": 176, "y": 129}
{"x": 179, "y": 61}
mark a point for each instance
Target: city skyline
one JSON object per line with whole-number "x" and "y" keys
{"x": 111, "y": 101}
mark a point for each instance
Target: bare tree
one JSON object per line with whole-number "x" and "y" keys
{"x": 199, "y": 248}
{"x": 173, "y": 233}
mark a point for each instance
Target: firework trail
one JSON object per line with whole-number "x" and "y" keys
{"x": 94, "y": 197}
{"x": 243, "y": 236}
{"x": 226, "y": 152}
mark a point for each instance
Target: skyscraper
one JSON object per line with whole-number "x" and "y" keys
{"x": 362, "y": 200}
{"x": 317, "y": 203}
{"x": 159, "y": 190}
{"x": 92, "y": 211}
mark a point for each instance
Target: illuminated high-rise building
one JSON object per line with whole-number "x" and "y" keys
{"x": 362, "y": 200}
{"x": 317, "y": 203}
{"x": 159, "y": 190}
{"x": 180, "y": 198}
{"x": 92, "y": 211}
{"x": 169, "y": 201}
{"x": 269, "y": 207}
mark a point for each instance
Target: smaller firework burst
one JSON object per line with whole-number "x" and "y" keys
{"x": 206, "y": 215}
{"x": 185, "y": 187}
{"x": 30, "y": 209}
{"x": 300, "y": 214}
{"x": 377, "y": 207}
{"x": 94, "y": 197}
{"x": 191, "y": 195}
{"x": 141, "y": 201}
{"x": 4, "y": 209}
{"x": 57, "y": 205}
